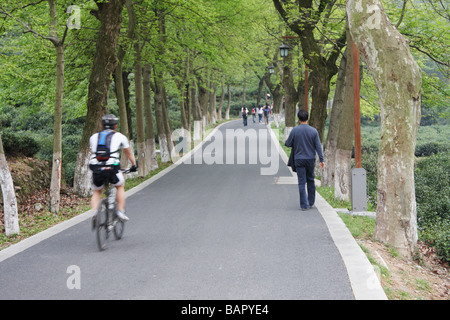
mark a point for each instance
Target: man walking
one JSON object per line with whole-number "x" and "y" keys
{"x": 305, "y": 143}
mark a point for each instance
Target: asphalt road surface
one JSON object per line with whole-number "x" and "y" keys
{"x": 214, "y": 229}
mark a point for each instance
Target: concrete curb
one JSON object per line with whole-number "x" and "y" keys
{"x": 363, "y": 278}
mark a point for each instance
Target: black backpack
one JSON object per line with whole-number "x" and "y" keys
{"x": 103, "y": 152}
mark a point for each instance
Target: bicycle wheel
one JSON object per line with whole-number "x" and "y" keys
{"x": 119, "y": 226}
{"x": 101, "y": 225}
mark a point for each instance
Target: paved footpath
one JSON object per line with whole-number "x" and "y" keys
{"x": 204, "y": 230}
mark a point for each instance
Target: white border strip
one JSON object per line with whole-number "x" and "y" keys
{"x": 363, "y": 279}
{"x": 35, "y": 239}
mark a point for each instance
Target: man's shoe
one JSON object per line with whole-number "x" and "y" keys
{"x": 312, "y": 207}
{"x": 122, "y": 216}
{"x": 304, "y": 209}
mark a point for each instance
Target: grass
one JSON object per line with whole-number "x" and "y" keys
{"x": 33, "y": 224}
{"x": 328, "y": 194}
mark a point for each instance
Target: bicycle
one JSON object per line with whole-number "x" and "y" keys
{"x": 105, "y": 219}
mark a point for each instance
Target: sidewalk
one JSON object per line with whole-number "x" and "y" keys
{"x": 363, "y": 278}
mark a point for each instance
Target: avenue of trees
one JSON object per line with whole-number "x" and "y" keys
{"x": 78, "y": 60}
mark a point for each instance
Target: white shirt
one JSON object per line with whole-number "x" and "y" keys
{"x": 118, "y": 141}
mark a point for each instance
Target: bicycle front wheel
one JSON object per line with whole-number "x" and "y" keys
{"x": 101, "y": 225}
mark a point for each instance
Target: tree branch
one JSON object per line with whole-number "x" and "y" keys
{"x": 54, "y": 40}
{"x": 430, "y": 56}
{"x": 403, "y": 13}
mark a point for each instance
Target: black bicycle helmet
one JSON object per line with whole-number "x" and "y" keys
{"x": 109, "y": 121}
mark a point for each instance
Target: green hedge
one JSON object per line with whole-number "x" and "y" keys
{"x": 432, "y": 180}
{"x": 19, "y": 143}
{"x": 432, "y": 183}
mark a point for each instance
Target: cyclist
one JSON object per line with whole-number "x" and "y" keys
{"x": 109, "y": 170}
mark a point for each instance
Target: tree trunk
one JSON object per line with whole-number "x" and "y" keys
{"x": 162, "y": 138}
{"x": 277, "y": 95}
{"x": 151, "y": 163}
{"x": 104, "y": 63}
{"x": 320, "y": 89}
{"x": 140, "y": 119}
{"x": 212, "y": 102}
{"x": 398, "y": 81}
{"x": 222, "y": 98}
{"x": 203, "y": 98}
{"x": 55, "y": 184}
{"x": 119, "y": 76}
{"x": 260, "y": 88}
{"x": 227, "y": 111}
{"x": 344, "y": 143}
{"x": 11, "y": 216}
{"x": 167, "y": 124}
{"x": 196, "y": 113}
{"x": 328, "y": 174}
{"x": 291, "y": 97}
{"x": 244, "y": 90}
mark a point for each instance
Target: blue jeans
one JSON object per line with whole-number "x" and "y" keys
{"x": 305, "y": 175}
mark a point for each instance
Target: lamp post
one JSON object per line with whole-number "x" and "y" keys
{"x": 284, "y": 50}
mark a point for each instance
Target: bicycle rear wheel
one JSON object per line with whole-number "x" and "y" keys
{"x": 101, "y": 225}
{"x": 119, "y": 225}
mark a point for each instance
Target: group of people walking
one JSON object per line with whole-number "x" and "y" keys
{"x": 265, "y": 112}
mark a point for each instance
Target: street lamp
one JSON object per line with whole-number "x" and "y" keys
{"x": 284, "y": 50}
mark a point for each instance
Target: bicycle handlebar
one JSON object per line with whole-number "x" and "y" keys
{"x": 128, "y": 170}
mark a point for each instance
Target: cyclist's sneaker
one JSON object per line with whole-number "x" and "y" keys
{"x": 122, "y": 216}
{"x": 93, "y": 222}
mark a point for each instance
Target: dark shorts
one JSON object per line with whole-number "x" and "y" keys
{"x": 102, "y": 175}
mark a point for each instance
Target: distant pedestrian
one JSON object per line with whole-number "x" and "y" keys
{"x": 260, "y": 114}
{"x": 305, "y": 143}
{"x": 254, "y": 114}
{"x": 244, "y": 112}
{"x": 266, "y": 111}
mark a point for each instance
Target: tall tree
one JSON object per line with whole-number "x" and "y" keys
{"x": 151, "y": 162}
{"x": 119, "y": 76}
{"x": 105, "y": 60}
{"x": 55, "y": 184}
{"x": 139, "y": 103}
{"x": 398, "y": 80}
{"x": 303, "y": 18}
{"x": 346, "y": 123}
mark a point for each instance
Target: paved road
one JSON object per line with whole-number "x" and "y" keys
{"x": 200, "y": 231}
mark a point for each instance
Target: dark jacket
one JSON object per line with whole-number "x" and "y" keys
{"x": 305, "y": 143}
{"x": 291, "y": 161}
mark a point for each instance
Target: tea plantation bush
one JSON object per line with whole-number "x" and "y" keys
{"x": 432, "y": 179}
{"x": 432, "y": 182}
{"x": 19, "y": 143}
